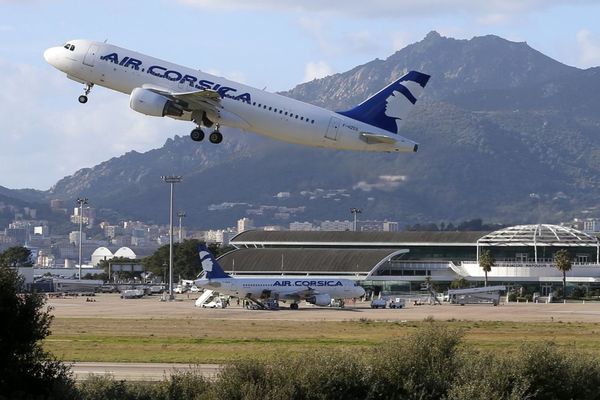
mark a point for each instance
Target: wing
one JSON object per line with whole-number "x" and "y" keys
{"x": 205, "y": 100}
{"x": 372, "y": 138}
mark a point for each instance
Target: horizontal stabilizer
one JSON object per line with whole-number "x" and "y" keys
{"x": 372, "y": 138}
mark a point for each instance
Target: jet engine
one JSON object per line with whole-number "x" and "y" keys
{"x": 151, "y": 103}
{"x": 320, "y": 300}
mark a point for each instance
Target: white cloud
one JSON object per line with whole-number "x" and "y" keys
{"x": 589, "y": 48}
{"x": 492, "y": 11}
{"x": 46, "y": 134}
{"x": 316, "y": 70}
{"x": 386, "y": 183}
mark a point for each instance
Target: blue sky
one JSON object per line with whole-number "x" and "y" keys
{"x": 276, "y": 44}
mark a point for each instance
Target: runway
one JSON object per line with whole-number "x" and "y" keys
{"x": 111, "y": 306}
{"x": 139, "y": 371}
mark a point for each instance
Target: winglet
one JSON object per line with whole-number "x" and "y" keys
{"x": 210, "y": 265}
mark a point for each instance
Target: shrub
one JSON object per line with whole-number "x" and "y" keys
{"x": 423, "y": 366}
{"x": 26, "y": 370}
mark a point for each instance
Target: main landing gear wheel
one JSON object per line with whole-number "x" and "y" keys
{"x": 83, "y": 99}
{"x": 197, "y": 135}
{"x": 215, "y": 137}
{"x": 294, "y": 306}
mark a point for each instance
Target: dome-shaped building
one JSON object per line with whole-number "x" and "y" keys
{"x": 100, "y": 254}
{"x": 125, "y": 252}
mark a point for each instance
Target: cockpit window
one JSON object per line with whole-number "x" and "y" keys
{"x": 69, "y": 46}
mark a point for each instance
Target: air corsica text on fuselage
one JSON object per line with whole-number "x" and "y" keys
{"x": 308, "y": 283}
{"x": 175, "y": 76}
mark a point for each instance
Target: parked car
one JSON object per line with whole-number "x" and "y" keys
{"x": 216, "y": 303}
{"x": 397, "y": 303}
{"x": 107, "y": 289}
{"x": 180, "y": 289}
{"x": 194, "y": 289}
{"x": 378, "y": 303}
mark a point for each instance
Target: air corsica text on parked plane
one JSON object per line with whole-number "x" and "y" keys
{"x": 174, "y": 76}
{"x": 308, "y": 283}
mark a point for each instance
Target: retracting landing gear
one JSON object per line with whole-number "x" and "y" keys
{"x": 202, "y": 120}
{"x": 197, "y": 135}
{"x": 216, "y": 137}
{"x": 83, "y": 98}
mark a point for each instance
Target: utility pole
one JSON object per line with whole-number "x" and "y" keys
{"x": 80, "y": 202}
{"x": 171, "y": 180}
{"x": 355, "y": 211}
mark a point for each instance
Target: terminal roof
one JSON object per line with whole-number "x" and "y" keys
{"x": 304, "y": 261}
{"x": 347, "y": 238}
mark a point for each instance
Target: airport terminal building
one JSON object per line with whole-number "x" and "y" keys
{"x": 400, "y": 262}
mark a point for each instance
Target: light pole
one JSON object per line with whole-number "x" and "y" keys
{"x": 181, "y": 215}
{"x": 355, "y": 211}
{"x": 171, "y": 180}
{"x": 80, "y": 202}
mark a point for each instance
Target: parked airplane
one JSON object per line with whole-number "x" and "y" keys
{"x": 160, "y": 88}
{"x": 319, "y": 291}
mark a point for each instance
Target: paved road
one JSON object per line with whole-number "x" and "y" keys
{"x": 139, "y": 371}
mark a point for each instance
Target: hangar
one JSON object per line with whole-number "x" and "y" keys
{"x": 400, "y": 262}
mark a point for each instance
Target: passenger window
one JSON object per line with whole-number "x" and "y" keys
{"x": 265, "y": 106}
{"x": 259, "y": 105}
{"x": 254, "y": 103}
{"x": 280, "y": 111}
{"x": 270, "y": 108}
{"x": 296, "y": 116}
{"x": 312, "y": 121}
{"x": 286, "y": 113}
{"x": 301, "y": 118}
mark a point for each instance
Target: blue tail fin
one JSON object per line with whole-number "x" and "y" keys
{"x": 387, "y": 108}
{"x": 210, "y": 265}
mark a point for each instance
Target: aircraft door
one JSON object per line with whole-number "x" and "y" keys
{"x": 333, "y": 128}
{"x": 90, "y": 57}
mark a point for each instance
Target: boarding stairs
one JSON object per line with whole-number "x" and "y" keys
{"x": 433, "y": 297}
{"x": 205, "y": 297}
{"x": 486, "y": 294}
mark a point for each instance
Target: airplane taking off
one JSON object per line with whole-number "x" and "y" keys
{"x": 319, "y": 291}
{"x": 160, "y": 88}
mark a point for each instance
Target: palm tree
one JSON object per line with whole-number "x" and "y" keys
{"x": 486, "y": 262}
{"x": 562, "y": 261}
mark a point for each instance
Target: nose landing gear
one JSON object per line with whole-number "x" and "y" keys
{"x": 83, "y": 98}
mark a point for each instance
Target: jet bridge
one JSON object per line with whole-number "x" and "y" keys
{"x": 487, "y": 294}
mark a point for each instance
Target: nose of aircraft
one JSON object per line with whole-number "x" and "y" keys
{"x": 51, "y": 56}
{"x": 361, "y": 291}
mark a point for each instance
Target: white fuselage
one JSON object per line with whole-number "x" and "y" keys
{"x": 240, "y": 106}
{"x": 283, "y": 287}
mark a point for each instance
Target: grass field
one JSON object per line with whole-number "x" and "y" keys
{"x": 183, "y": 340}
